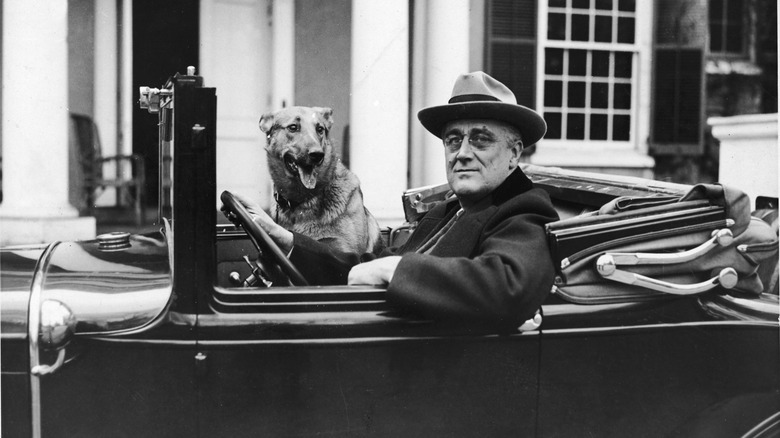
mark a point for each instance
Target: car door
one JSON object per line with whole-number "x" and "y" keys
{"x": 335, "y": 360}
{"x": 693, "y": 367}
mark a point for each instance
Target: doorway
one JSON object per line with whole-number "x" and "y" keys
{"x": 165, "y": 42}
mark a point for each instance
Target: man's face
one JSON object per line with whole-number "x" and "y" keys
{"x": 480, "y": 155}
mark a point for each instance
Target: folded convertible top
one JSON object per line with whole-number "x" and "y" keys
{"x": 648, "y": 247}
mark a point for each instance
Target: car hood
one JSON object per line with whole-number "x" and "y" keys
{"x": 116, "y": 289}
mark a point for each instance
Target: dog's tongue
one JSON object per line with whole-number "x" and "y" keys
{"x": 308, "y": 178}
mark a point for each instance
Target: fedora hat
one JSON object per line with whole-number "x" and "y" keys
{"x": 477, "y": 95}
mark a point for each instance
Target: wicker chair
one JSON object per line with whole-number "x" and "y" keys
{"x": 123, "y": 172}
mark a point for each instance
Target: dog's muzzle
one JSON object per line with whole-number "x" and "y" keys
{"x": 305, "y": 168}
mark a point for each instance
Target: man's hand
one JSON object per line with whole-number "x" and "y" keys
{"x": 376, "y": 272}
{"x": 280, "y": 235}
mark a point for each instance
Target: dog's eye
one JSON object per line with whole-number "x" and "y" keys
{"x": 320, "y": 130}
{"x": 293, "y": 128}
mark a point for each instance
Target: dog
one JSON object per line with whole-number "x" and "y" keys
{"x": 316, "y": 195}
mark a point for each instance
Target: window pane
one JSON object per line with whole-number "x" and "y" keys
{"x": 621, "y": 128}
{"x": 716, "y": 10}
{"x": 578, "y": 62}
{"x": 553, "y": 125}
{"x": 580, "y": 4}
{"x": 604, "y": 5}
{"x": 576, "y": 95}
{"x": 599, "y": 95}
{"x": 556, "y": 26}
{"x": 623, "y": 64}
{"x": 580, "y": 27}
{"x": 734, "y": 38}
{"x": 627, "y": 5}
{"x": 553, "y": 61}
{"x": 553, "y": 93}
{"x": 734, "y": 10}
{"x": 600, "y": 65}
{"x": 575, "y": 127}
{"x": 598, "y": 127}
{"x": 625, "y": 30}
{"x": 603, "y": 30}
{"x": 557, "y": 3}
{"x": 716, "y": 38}
{"x": 622, "y": 98}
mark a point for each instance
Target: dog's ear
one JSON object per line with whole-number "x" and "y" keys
{"x": 327, "y": 115}
{"x": 266, "y": 122}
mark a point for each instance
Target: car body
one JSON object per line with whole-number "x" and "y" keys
{"x": 152, "y": 335}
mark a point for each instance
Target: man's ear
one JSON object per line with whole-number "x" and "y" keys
{"x": 266, "y": 123}
{"x": 327, "y": 115}
{"x": 517, "y": 151}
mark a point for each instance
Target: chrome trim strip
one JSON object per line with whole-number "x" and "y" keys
{"x": 298, "y": 304}
{"x": 294, "y": 291}
{"x": 33, "y": 325}
{"x": 765, "y": 306}
{"x": 170, "y": 342}
{"x": 745, "y": 324}
{"x": 354, "y": 341}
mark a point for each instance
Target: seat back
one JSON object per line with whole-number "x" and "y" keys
{"x": 86, "y": 142}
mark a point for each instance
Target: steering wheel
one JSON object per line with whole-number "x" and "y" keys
{"x": 267, "y": 247}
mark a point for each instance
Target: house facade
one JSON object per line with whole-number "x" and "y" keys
{"x": 625, "y": 86}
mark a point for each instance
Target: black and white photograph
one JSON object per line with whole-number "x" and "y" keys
{"x": 389, "y": 218}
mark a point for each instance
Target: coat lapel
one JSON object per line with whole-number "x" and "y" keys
{"x": 463, "y": 237}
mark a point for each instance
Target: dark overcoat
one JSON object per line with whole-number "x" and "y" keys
{"x": 493, "y": 266}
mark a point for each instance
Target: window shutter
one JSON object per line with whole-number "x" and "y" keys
{"x": 678, "y": 80}
{"x": 677, "y": 99}
{"x": 511, "y": 46}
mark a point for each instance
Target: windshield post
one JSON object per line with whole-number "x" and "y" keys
{"x": 187, "y": 113}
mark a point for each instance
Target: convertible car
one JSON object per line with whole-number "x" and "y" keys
{"x": 663, "y": 321}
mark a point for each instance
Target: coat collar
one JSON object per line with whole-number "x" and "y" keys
{"x": 516, "y": 183}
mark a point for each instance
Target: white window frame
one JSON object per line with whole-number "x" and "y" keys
{"x": 601, "y": 154}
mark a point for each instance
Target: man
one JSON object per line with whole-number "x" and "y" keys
{"x": 481, "y": 256}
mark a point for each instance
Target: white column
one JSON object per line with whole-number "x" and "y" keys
{"x": 283, "y": 51}
{"x": 128, "y": 97}
{"x": 35, "y": 204}
{"x": 443, "y": 26}
{"x": 106, "y": 86}
{"x": 379, "y": 134}
{"x": 748, "y": 153}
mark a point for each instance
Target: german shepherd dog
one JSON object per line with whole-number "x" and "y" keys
{"x": 316, "y": 195}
